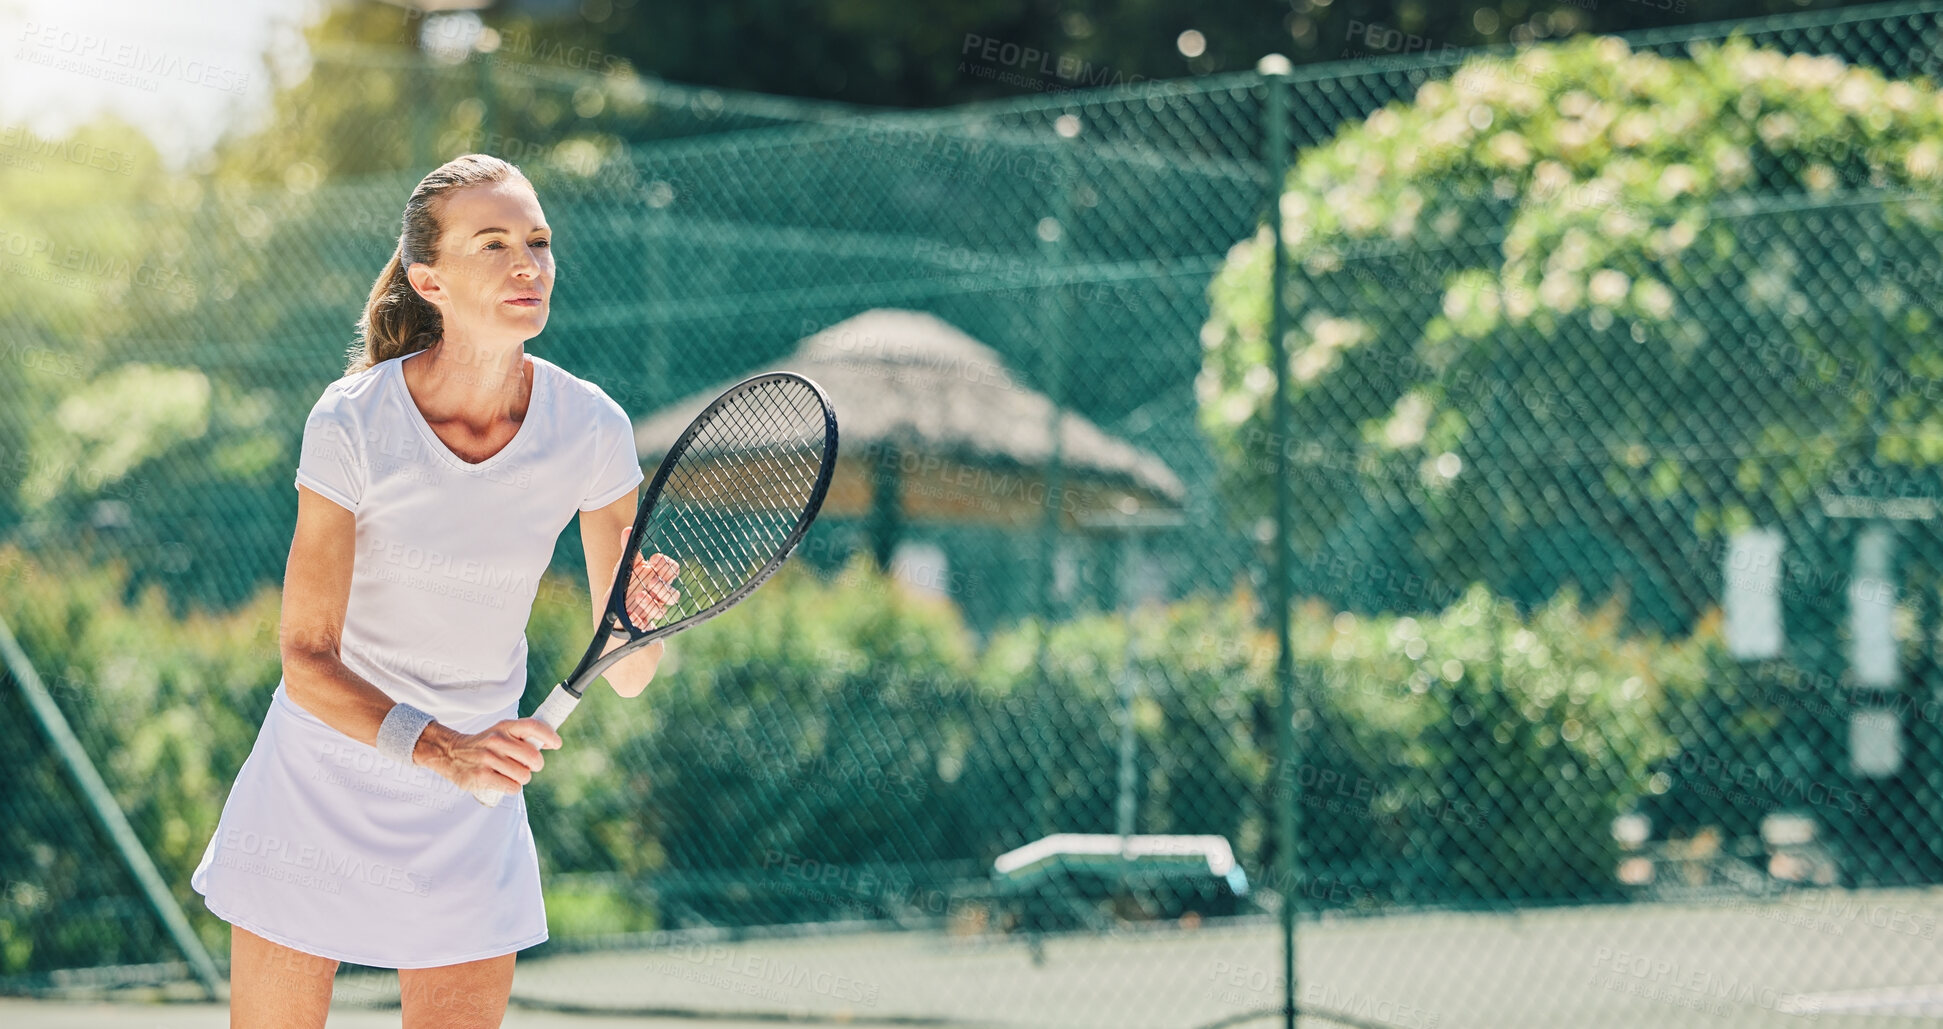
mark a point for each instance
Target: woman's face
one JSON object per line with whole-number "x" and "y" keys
{"x": 492, "y": 280}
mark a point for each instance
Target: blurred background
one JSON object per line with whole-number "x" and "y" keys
{"x": 1524, "y": 581}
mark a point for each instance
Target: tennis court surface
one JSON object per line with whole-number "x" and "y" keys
{"x": 1836, "y": 958}
{"x": 1833, "y": 958}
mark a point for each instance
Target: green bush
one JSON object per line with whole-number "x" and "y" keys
{"x": 1434, "y": 765}
{"x": 1494, "y": 750}
{"x": 1200, "y": 669}
{"x": 821, "y": 721}
{"x": 168, "y": 708}
{"x": 845, "y": 747}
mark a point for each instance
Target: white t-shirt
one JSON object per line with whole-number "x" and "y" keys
{"x": 450, "y": 554}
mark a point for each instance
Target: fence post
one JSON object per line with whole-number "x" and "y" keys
{"x": 1052, "y": 246}
{"x": 1274, "y": 70}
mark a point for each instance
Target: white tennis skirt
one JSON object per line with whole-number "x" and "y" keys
{"x": 326, "y": 847}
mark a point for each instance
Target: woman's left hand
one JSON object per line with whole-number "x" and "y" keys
{"x": 651, "y": 594}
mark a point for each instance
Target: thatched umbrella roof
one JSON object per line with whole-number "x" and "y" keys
{"x": 968, "y": 441}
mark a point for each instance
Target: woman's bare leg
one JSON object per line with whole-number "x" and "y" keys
{"x": 472, "y": 995}
{"x": 272, "y": 986}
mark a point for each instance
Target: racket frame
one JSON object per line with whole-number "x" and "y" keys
{"x": 615, "y": 624}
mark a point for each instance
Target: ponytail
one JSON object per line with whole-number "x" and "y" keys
{"x": 396, "y": 319}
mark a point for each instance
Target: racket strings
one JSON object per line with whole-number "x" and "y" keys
{"x": 738, "y": 478}
{"x": 736, "y": 493}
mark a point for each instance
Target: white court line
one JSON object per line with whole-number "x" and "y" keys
{"x": 1881, "y": 1000}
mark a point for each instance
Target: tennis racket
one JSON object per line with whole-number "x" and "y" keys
{"x": 730, "y": 501}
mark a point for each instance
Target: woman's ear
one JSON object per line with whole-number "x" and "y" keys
{"x": 424, "y": 280}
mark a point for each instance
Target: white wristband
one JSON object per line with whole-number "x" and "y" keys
{"x": 398, "y": 734}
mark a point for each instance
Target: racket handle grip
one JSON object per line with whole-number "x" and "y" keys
{"x": 553, "y": 711}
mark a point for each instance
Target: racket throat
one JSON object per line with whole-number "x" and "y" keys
{"x": 596, "y": 657}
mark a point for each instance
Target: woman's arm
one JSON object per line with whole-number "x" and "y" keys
{"x": 316, "y": 592}
{"x": 603, "y": 536}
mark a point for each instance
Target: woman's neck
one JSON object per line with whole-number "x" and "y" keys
{"x": 476, "y": 385}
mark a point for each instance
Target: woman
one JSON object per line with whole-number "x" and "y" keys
{"x": 433, "y": 481}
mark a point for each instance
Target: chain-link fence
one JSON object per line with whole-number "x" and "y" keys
{"x": 1608, "y": 512}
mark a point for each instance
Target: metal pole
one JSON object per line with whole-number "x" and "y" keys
{"x": 1052, "y": 240}
{"x": 1123, "y": 815}
{"x": 102, "y": 804}
{"x": 1274, "y": 70}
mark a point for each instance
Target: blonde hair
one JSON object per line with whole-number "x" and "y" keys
{"x": 397, "y": 320}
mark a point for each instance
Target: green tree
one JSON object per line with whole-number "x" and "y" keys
{"x": 1575, "y": 315}
{"x": 890, "y": 53}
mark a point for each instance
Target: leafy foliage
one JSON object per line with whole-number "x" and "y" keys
{"x": 849, "y": 723}
{"x": 1618, "y": 319}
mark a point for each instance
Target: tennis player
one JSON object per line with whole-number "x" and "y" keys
{"x": 433, "y": 481}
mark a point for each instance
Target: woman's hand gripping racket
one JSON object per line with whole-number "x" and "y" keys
{"x": 730, "y": 501}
